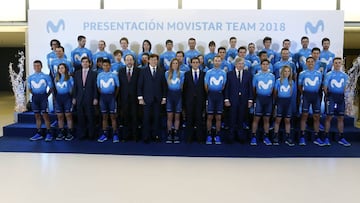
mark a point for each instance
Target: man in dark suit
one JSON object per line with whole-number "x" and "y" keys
{"x": 85, "y": 97}
{"x": 194, "y": 100}
{"x": 151, "y": 92}
{"x": 238, "y": 96}
{"x": 127, "y": 100}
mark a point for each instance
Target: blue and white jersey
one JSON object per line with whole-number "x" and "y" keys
{"x": 165, "y": 59}
{"x": 283, "y": 88}
{"x": 115, "y": 67}
{"x": 55, "y": 63}
{"x": 253, "y": 58}
{"x": 278, "y": 57}
{"x": 226, "y": 66}
{"x": 140, "y": 56}
{"x": 215, "y": 79}
{"x": 191, "y": 54}
{"x": 107, "y": 82}
{"x": 270, "y": 54}
{"x": 127, "y": 52}
{"x": 257, "y": 68}
{"x": 78, "y": 53}
{"x": 335, "y": 81}
{"x": 278, "y": 66}
{"x": 247, "y": 64}
{"x": 184, "y": 67}
{"x": 39, "y": 82}
{"x": 264, "y": 83}
{"x": 301, "y": 56}
{"x": 209, "y": 60}
{"x": 319, "y": 66}
{"x": 231, "y": 54}
{"x": 64, "y": 86}
{"x": 327, "y": 58}
{"x": 104, "y": 55}
{"x": 310, "y": 80}
{"x": 50, "y": 57}
{"x": 175, "y": 83}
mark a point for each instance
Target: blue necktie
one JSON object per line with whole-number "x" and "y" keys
{"x": 196, "y": 77}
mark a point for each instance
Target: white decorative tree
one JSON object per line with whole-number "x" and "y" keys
{"x": 18, "y": 83}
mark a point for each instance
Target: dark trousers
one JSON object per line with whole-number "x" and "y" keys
{"x": 194, "y": 112}
{"x": 85, "y": 117}
{"x": 151, "y": 119}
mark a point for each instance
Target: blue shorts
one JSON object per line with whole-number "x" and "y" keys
{"x": 284, "y": 107}
{"x": 107, "y": 103}
{"x": 39, "y": 103}
{"x": 335, "y": 104}
{"x": 63, "y": 103}
{"x": 313, "y": 99}
{"x": 173, "y": 102}
{"x": 215, "y": 102}
{"x": 263, "y": 105}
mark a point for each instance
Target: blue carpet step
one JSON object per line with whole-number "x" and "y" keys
{"x": 28, "y": 117}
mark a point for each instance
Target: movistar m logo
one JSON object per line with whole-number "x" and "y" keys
{"x": 52, "y": 27}
{"x": 311, "y": 29}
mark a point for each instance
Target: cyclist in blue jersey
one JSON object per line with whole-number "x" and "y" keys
{"x": 60, "y": 58}
{"x": 102, "y": 53}
{"x": 124, "y": 43}
{"x": 40, "y": 86}
{"x": 284, "y": 60}
{"x": 267, "y": 47}
{"x": 286, "y": 44}
{"x": 146, "y": 48}
{"x": 232, "y": 51}
{"x": 302, "y": 54}
{"x": 54, "y": 43}
{"x": 334, "y": 88}
{"x": 108, "y": 86}
{"x": 180, "y": 57}
{"x": 225, "y": 65}
{"x": 263, "y": 85}
{"x": 209, "y": 57}
{"x": 115, "y": 67}
{"x": 241, "y": 53}
{"x": 192, "y": 52}
{"x": 174, "y": 80}
{"x": 257, "y": 68}
{"x": 64, "y": 84}
{"x": 168, "y": 55}
{"x": 78, "y": 53}
{"x": 252, "y": 56}
{"x": 215, "y": 80}
{"x": 309, "y": 85}
{"x": 326, "y": 56}
{"x": 283, "y": 92}
{"x": 202, "y": 65}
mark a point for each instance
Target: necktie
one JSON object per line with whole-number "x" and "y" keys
{"x": 195, "y": 77}
{"x": 240, "y": 76}
{"x": 129, "y": 75}
{"x": 154, "y": 72}
{"x": 84, "y": 75}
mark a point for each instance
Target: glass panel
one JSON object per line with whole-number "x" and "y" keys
{"x": 64, "y": 4}
{"x": 13, "y": 10}
{"x": 140, "y": 4}
{"x": 351, "y": 9}
{"x": 298, "y": 4}
{"x": 216, "y": 4}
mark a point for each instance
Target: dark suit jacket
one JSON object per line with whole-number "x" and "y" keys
{"x": 233, "y": 87}
{"x": 151, "y": 88}
{"x": 191, "y": 89}
{"x": 85, "y": 95}
{"x": 128, "y": 90}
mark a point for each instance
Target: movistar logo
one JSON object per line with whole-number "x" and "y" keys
{"x": 311, "y": 29}
{"x": 52, "y": 27}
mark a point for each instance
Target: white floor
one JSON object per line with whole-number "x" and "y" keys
{"x": 68, "y": 178}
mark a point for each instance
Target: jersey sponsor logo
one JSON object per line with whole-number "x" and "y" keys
{"x": 175, "y": 81}
{"x": 39, "y": 84}
{"x": 265, "y": 86}
{"x": 335, "y": 83}
{"x": 216, "y": 82}
{"x": 284, "y": 89}
{"x": 61, "y": 84}
{"x": 327, "y": 62}
{"x": 167, "y": 62}
{"x": 107, "y": 84}
{"x": 78, "y": 57}
{"x": 311, "y": 29}
{"x": 52, "y": 27}
{"x": 309, "y": 82}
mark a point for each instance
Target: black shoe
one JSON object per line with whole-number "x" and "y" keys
{"x": 60, "y": 136}
{"x": 169, "y": 138}
{"x": 176, "y": 138}
{"x": 69, "y": 137}
{"x": 276, "y": 139}
{"x": 289, "y": 142}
